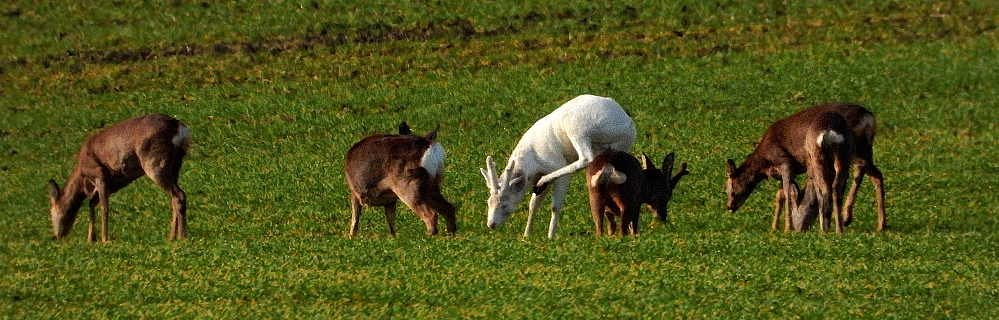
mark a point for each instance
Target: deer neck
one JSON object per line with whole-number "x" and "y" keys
{"x": 756, "y": 168}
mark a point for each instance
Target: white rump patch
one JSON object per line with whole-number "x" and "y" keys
{"x": 608, "y": 174}
{"x": 433, "y": 160}
{"x": 829, "y": 136}
{"x": 183, "y": 133}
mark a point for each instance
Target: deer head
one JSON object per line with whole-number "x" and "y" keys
{"x": 505, "y": 191}
{"x": 63, "y": 210}
{"x": 659, "y": 184}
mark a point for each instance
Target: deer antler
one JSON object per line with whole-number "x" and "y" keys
{"x": 490, "y": 174}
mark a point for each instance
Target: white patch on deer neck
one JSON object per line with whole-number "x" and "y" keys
{"x": 829, "y": 136}
{"x": 182, "y": 134}
{"x": 433, "y": 159}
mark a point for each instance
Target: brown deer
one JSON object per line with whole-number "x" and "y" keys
{"x": 382, "y": 169}
{"x": 618, "y": 186}
{"x": 153, "y": 145}
{"x": 778, "y": 157}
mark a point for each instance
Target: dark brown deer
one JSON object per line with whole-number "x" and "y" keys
{"x": 382, "y": 169}
{"x": 618, "y": 186}
{"x": 153, "y": 145}
{"x": 777, "y": 156}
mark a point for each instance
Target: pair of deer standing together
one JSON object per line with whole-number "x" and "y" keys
{"x": 383, "y": 169}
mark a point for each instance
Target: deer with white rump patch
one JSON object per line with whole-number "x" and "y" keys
{"x": 557, "y": 145}
{"x": 153, "y": 145}
{"x": 384, "y": 168}
{"x": 784, "y": 159}
{"x": 821, "y": 146}
{"x": 618, "y": 186}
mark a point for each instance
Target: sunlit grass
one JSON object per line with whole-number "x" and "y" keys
{"x": 271, "y": 119}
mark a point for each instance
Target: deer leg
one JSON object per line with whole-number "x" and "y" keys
{"x": 178, "y": 201}
{"x": 826, "y": 194}
{"x": 178, "y": 204}
{"x": 837, "y": 199}
{"x": 878, "y": 180}
{"x": 447, "y": 210}
{"x": 102, "y": 194}
{"x": 435, "y": 201}
{"x": 91, "y": 233}
{"x": 790, "y": 189}
{"x": 429, "y": 218}
{"x": 778, "y": 205}
{"x": 430, "y": 209}
{"x": 165, "y": 175}
{"x": 597, "y": 209}
{"x": 839, "y": 183}
{"x": 628, "y": 213}
{"x": 558, "y": 201}
{"x": 632, "y": 217}
{"x": 532, "y": 209}
{"x": 355, "y": 214}
{"x": 611, "y": 219}
{"x": 426, "y": 200}
{"x": 584, "y": 150}
{"x": 859, "y": 166}
{"x": 821, "y": 197}
{"x": 390, "y": 217}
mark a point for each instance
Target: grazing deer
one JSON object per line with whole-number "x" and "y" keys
{"x": 557, "y": 145}
{"x": 618, "y": 186}
{"x": 785, "y": 160}
{"x": 153, "y": 145}
{"x": 382, "y": 169}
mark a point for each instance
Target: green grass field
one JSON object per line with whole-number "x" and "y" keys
{"x": 276, "y": 93}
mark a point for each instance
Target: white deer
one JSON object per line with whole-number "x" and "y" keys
{"x": 557, "y": 145}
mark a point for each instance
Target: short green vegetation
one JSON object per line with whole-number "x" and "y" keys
{"x": 276, "y": 93}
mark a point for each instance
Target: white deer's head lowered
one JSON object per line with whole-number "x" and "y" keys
{"x": 505, "y": 191}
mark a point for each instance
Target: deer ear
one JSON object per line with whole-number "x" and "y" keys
{"x": 517, "y": 182}
{"x": 730, "y": 167}
{"x": 404, "y": 128}
{"x": 646, "y": 163}
{"x": 433, "y": 134}
{"x": 679, "y": 173}
{"x": 53, "y": 189}
{"x": 668, "y": 164}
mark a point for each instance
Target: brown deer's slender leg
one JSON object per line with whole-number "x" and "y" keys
{"x": 878, "y": 180}
{"x": 102, "y": 193}
{"x": 839, "y": 183}
{"x": 859, "y": 166}
{"x": 631, "y": 216}
{"x": 390, "y": 217}
{"x": 91, "y": 233}
{"x": 790, "y": 190}
{"x": 597, "y": 209}
{"x": 445, "y": 209}
{"x": 165, "y": 174}
{"x": 778, "y": 206}
{"x": 355, "y": 214}
{"x": 178, "y": 201}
